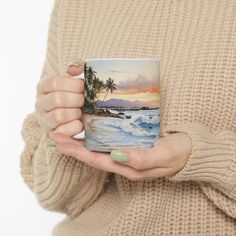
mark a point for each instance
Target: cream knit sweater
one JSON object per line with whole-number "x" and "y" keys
{"x": 196, "y": 42}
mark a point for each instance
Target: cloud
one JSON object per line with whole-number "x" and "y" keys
{"x": 140, "y": 84}
{"x": 119, "y": 71}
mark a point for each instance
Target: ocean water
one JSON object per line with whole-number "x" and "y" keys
{"x": 107, "y": 133}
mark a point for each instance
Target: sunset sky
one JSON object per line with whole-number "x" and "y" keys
{"x": 138, "y": 80}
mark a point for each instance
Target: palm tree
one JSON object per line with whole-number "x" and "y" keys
{"x": 109, "y": 86}
{"x": 97, "y": 87}
{"x": 89, "y": 73}
{"x": 93, "y": 86}
{"x": 90, "y": 76}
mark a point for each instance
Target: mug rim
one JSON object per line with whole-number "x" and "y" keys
{"x": 122, "y": 58}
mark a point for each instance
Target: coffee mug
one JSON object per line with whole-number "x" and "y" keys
{"x": 122, "y": 103}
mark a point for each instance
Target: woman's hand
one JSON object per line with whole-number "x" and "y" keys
{"x": 168, "y": 156}
{"x": 59, "y": 101}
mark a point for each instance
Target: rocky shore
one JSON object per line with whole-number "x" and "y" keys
{"x": 108, "y": 113}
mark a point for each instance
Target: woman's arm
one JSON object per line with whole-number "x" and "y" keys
{"x": 60, "y": 183}
{"x": 212, "y": 162}
{"x": 185, "y": 152}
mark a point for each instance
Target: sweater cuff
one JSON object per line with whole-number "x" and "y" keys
{"x": 212, "y": 158}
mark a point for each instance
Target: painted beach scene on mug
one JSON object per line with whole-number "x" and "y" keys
{"x": 122, "y": 103}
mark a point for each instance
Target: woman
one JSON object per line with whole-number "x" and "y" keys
{"x": 186, "y": 183}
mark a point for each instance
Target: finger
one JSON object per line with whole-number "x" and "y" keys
{"x": 94, "y": 159}
{"x": 59, "y": 100}
{"x": 141, "y": 158}
{"x": 75, "y": 67}
{"x": 102, "y": 161}
{"x": 62, "y": 138}
{"x": 98, "y": 160}
{"x": 56, "y": 117}
{"x": 71, "y": 128}
{"x": 58, "y": 83}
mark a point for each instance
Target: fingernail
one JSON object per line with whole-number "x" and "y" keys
{"x": 50, "y": 142}
{"x": 51, "y": 145}
{"x": 75, "y": 63}
{"x": 118, "y": 155}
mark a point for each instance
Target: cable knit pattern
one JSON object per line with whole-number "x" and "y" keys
{"x": 196, "y": 42}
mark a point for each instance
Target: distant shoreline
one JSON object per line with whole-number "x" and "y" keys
{"x": 107, "y": 112}
{"x": 130, "y": 108}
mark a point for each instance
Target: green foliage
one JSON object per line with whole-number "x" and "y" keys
{"x": 109, "y": 86}
{"x": 93, "y": 86}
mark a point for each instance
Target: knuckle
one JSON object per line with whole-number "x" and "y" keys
{"x": 57, "y": 99}
{"x": 139, "y": 163}
{"x": 54, "y": 83}
{"x": 58, "y": 116}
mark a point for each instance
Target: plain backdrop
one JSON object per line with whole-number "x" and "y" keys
{"x": 23, "y": 37}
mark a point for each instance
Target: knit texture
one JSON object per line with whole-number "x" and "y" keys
{"x": 196, "y": 43}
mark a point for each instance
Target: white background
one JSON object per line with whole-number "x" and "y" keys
{"x": 23, "y": 35}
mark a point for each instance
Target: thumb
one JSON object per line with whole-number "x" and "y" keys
{"x": 75, "y": 67}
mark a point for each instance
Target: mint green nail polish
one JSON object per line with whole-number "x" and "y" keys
{"x": 75, "y": 63}
{"x": 51, "y": 145}
{"x": 118, "y": 155}
{"x": 50, "y": 142}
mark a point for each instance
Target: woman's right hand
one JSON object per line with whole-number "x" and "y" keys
{"x": 59, "y": 101}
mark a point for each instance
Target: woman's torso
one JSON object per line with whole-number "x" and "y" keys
{"x": 196, "y": 43}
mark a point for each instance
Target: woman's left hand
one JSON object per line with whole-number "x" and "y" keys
{"x": 167, "y": 157}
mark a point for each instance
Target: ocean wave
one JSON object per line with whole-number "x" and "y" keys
{"x": 141, "y": 126}
{"x": 144, "y": 119}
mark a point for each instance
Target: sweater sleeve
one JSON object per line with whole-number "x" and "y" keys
{"x": 212, "y": 163}
{"x": 60, "y": 183}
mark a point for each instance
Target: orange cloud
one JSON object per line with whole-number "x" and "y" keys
{"x": 150, "y": 89}
{"x": 154, "y": 89}
{"x": 139, "y": 84}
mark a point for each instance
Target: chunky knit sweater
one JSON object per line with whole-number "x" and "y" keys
{"x": 196, "y": 43}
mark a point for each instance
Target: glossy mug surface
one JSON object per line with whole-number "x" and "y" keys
{"x": 122, "y": 101}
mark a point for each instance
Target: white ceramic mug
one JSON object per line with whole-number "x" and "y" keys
{"x": 122, "y": 103}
